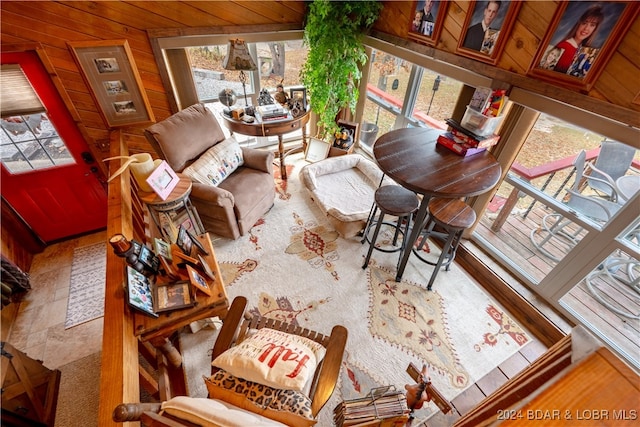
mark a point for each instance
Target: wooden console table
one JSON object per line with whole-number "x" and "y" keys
{"x": 275, "y": 128}
{"x": 157, "y": 330}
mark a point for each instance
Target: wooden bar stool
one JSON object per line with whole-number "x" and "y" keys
{"x": 452, "y": 217}
{"x": 390, "y": 200}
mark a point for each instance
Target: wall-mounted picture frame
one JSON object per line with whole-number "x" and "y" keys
{"x": 173, "y": 296}
{"x": 427, "y": 18}
{"x": 109, "y": 70}
{"x": 139, "y": 294}
{"x": 198, "y": 280}
{"x": 299, "y": 93}
{"x": 163, "y": 180}
{"x": 317, "y": 150}
{"x": 486, "y": 29}
{"x": 580, "y": 40}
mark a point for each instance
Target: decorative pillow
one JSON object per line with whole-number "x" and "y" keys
{"x": 214, "y": 413}
{"x": 217, "y": 163}
{"x": 273, "y": 358}
{"x": 287, "y": 406}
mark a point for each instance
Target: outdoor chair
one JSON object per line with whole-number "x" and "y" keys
{"x": 253, "y": 398}
{"x": 612, "y": 162}
{"x": 592, "y": 207}
{"x": 616, "y": 285}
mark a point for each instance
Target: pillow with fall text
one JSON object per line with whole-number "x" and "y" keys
{"x": 273, "y": 358}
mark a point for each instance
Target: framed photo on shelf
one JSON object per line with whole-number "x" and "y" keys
{"x": 109, "y": 70}
{"x": 317, "y": 150}
{"x": 198, "y": 281}
{"x": 184, "y": 241}
{"x": 486, "y": 29}
{"x": 580, "y": 40}
{"x": 299, "y": 93}
{"x": 196, "y": 242}
{"x": 168, "y": 268}
{"x": 139, "y": 295}
{"x": 173, "y": 296}
{"x": 149, "y": 259}
{"x": 185, "y": 258}
{"x": 206, "y": 268}
{"x": 163, "y": 180}
{"x": 427, "y": 19}
{"x": 162, "y": 248}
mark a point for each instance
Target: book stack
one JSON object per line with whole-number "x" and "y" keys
{"x": 463, "y": 141}
{"x": 272, "y": 112}
{"x": 448, "y": 140}
{"x": 386, "y": 409}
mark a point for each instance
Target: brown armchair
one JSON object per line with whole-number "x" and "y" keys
{"x": 232, "y": 207}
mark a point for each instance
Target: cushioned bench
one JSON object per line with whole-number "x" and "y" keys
{"x": 343, "y": 187}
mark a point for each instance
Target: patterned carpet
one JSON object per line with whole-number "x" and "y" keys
{"x": 294, "y": 266}
{"x": 86, "y": 291}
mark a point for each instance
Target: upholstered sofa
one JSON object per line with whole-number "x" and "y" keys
{"x": 232, "y": 185}
{"x": 343, "y": 187}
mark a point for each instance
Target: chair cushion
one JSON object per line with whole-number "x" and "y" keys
{"x": 214, "y": 413}
{"x": 273, "y": 358}
{"x": 287, "y": 406}
{"x": 217, "y": 163}
{"x": 187, "y": 134}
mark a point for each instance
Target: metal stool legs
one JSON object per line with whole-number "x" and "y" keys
{"x": 376, "y": 231}
{"x": 395, "y": 201}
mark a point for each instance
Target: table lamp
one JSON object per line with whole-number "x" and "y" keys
{"x": 239, "y": 59}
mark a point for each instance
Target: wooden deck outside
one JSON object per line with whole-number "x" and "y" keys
{"x": 513, "y": 239}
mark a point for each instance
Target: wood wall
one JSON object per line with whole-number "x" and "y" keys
{"x": 54, "y": 23}
{"x": 617, "y": 85}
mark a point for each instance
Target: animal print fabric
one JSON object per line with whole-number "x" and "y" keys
{"x": 288, "y": 406}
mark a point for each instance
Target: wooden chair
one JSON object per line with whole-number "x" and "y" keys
{"x": 234, "y": 330}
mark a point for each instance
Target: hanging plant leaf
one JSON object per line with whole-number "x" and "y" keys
{"x": 332, "y": 72}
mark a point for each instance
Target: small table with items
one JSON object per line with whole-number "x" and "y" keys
{"x": 273, "y": 128}
{"x": 413, "y": 159}
{"x": 157, "y": 330}
{"x": 178, "y": 199}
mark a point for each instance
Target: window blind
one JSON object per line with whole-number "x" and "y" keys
{"x": 17, "y": 96}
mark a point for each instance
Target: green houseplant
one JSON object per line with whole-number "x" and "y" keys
{"x": 332, "y": 72}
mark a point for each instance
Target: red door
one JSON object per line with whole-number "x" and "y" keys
{"x": 48, "y": 174}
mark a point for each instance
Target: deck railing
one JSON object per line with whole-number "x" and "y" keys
{"x": 527, "y": 175}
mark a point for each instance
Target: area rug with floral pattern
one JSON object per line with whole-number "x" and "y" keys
{"x": 294, "y": 266}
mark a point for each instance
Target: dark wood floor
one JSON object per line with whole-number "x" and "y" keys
{"x": 486, "y": 385}
{"x": 514, "y": 239}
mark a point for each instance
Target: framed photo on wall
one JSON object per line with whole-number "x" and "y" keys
{"x": 426, "y": 23}
{"x": 486, "y": 29}
{"x": 109, "y": 70}
{"x": 580, "y": 40}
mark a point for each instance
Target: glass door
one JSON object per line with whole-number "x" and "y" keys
{"x": 570, "y": 232}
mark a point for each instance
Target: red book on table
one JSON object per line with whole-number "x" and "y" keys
{"x": 446, "y": 140}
